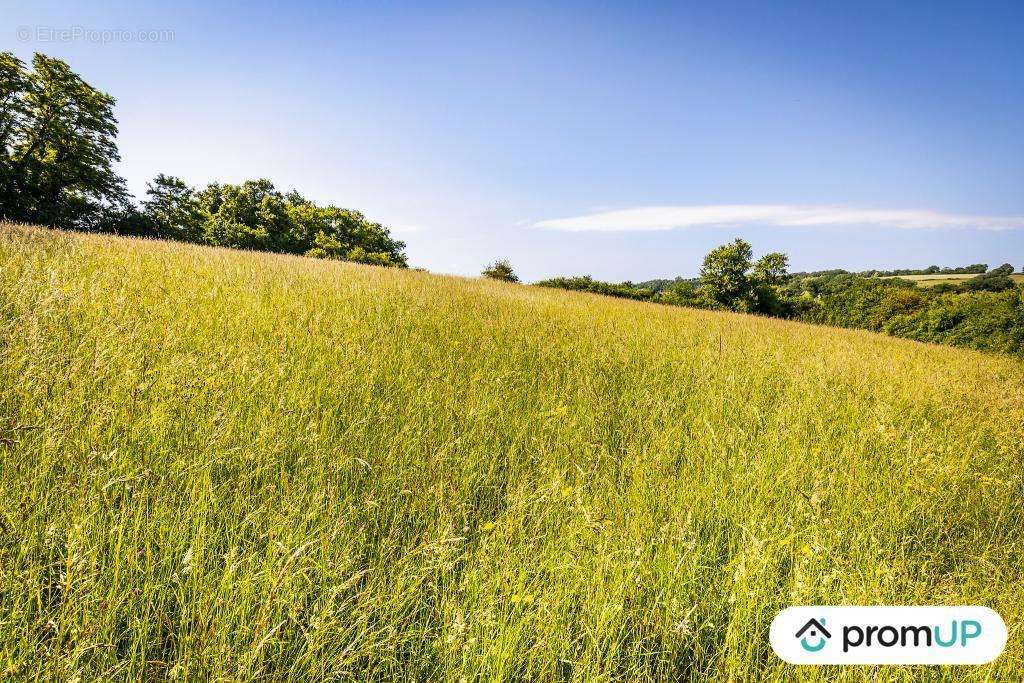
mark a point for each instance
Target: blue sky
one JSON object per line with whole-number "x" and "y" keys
{"x": 618, "y": 139}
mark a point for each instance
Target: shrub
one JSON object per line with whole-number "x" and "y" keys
{"x": 500, "y": 270}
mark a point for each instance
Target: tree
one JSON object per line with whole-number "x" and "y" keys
{"x": 770, "y": 273}
{"x": 500, "y": 270}
{"x": 14, "y": 83}
{"x": 772, "y": 269}
{"x": 723, "y": 276}
{"x": 173, "y": 209}
{"x": 995, "y": 280}
{"x": 730, "y": 281}
{"x": 252, "y": 215}
{"x": 683, "y": 293}
{"x": 255, "y": 215}
{"x": 57, "y": 142}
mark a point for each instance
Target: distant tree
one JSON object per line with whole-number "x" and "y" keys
{"x": 500, "y": 270}
{"x": 768, "y": 276}
{"x": 173, "y": 209}
{"x": 585, "y": 283}
{"x": 683, "y": 293}
{"x": 730, "y": 280}
{"x": 660, "y": 285}
{"x": 252, "y": 215}
{"x": 995, "y": 280}
{"x": 724, "y": 278}
{"x": 255, "y": 215}
{"x": 772, "y": 269}
{"x": 57, "y": 148}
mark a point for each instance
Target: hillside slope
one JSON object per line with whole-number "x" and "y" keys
{"x": 223, "y": 464}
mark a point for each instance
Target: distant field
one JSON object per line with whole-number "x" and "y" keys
{"x": 218, "y": 465}
{"x": 931, "y": 280}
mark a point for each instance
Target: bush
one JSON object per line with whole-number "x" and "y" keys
{"x": 500, "y": 270}
{"x": 585, "y": 283}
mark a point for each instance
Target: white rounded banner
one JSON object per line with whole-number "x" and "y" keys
{"x": 887, "y": 635}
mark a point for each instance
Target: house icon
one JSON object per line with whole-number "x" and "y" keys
{"x": 815, "y": 629}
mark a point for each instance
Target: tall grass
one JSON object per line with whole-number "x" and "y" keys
{"x": 231, "y": 466}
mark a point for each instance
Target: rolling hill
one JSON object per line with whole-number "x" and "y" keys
{"x": 229, "y": 465}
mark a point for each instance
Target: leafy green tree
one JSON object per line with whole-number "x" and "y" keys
{"x": 14, "y": 113}
{"x": 255, "y": 215}
{"x": 768, "y": 277}
{"x": 772, "y": 269}
{"x": 724, "y": 279}
{"x": 371, "y": 258}
{"x": 683, "y": 293}
{"x": 995, "y": 280}
{"x": 58, "y": 149}
{"x": 343, "y": 233}
{"x": 500, "y": 270}
{"x": 252, "y": 215}
{"x": 729, "y": 280}
{"x": 173, "y": 209}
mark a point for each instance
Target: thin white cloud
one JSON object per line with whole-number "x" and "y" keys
{"x": 647, "y": 218}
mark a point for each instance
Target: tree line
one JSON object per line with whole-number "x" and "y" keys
{"x": 57, "y": 154}
{"x": 985, "y": 312}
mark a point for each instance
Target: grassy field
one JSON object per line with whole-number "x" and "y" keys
{"x": 231, "y": 466}
{"x": 939, "y": 278}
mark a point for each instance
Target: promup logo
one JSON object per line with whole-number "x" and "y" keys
{"x": 817, "y": 630}
{"x": 888, "y": 635}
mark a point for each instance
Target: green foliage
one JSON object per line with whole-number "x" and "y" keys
{"x": 173, "y": 210}
{"x": 959, "y": 315}
{"x": 974, "y": 268}
{"x": 684, "y": 293}
{"x": 771, "y": 269}
{"x": 768, "y": 277}
{"x": 585, "y": 283}
{"x": 985, "y": 320}
{"x": 725, "y": 279}
{"x": 57, "y": 148}
{"x": 730, "y": 280}
{"x": 500, "y": 270}
{"x": 660, "y": 285}
{"x": 256, "y": 216}
{"x": 995, "y": 280}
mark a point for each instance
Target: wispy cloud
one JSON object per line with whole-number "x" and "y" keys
{"x": 786, "y": 215}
